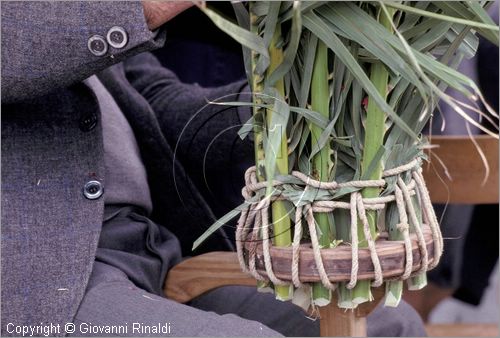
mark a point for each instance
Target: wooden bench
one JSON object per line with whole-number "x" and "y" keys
{"x": 468, "y": 186}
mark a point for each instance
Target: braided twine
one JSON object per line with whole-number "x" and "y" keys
{"x": 255, "y": 219}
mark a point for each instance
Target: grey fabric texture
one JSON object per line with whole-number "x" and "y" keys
{"x": 128, "y": 240}
{"x": 173, "y": 125}
{"x": 49, "y": 230}
{"x": 112, "y": 299}
{"x": 142, "y": 249}
{"x": 44, "y": 43}
{"x": 126, "y": 178}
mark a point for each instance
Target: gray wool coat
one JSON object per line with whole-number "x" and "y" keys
{"x": 50, "y": 230}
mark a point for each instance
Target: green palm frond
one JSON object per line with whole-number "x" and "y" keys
{"x": 353, "y": 87}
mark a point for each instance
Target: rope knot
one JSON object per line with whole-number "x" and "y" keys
{"x": 402, "y": 226}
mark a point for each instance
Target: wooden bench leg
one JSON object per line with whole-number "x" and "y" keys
{"x": 336, "y": 322}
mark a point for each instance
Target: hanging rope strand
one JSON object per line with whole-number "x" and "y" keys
{"x": 371, "y": 244}
{"x": 266, "y": 245}
{"x": 416, "y": 225}
{"x": 404, "y": 227}
{"x": 431, "y": 215}
{"x": 296, "y": 248}
{"x": 354, "y": 242}
{"x": 316, "y": 249}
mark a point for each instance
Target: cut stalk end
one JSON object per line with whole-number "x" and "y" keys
{"x": 283, "y": 292}
{"x": 417, "y": 282}
{"x": 345, "y": 297}
{"x": 393, "y": 293}
{"x": 321, "y": 295}
{"x": 264, "y": 287}
{"x": 362, "y": 292}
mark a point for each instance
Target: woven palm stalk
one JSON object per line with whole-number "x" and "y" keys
{"x": 341, "y": 94}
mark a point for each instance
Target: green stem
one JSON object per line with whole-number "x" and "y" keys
{"x": 281, "y": 220}
{"x": 258, "y": 111}
{"x": 258, "y": 115}
{"x": 393, "y": 289}
{"x": 343, "y": 233}
{"x": 345, "y": 297}
{"x": 319, "y": 103}
{"x": 417, "y": 282}
{"x": 374, "y": 138}
{"x": 393, "y": 293}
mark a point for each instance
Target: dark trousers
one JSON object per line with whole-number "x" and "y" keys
{"x": 113, "y": 300}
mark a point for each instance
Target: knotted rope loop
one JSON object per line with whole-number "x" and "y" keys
{"x": 354, "y": 241}
{"x": 401, "y": 169}
{"x": 254, "y": 224}
{"x": 430, "y": 216}
{"x": 296, "y": 247}
{"x": 265, "y": 243}
{"x": 404, "y": 227}
{"x": 371, "y": 244}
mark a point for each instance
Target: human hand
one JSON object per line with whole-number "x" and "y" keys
{"x": 159, "y": 12}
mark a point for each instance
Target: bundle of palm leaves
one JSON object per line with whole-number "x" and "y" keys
{"x": 342, "y": 91}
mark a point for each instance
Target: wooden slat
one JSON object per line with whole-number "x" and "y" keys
{"x": 197, "y": 275}
{"x": 462, "y": 330}
{"x": 465, "y": 167}
{"x": 338, "y": 261}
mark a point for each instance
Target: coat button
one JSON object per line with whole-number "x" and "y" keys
{"x": 117, "y": 37}
{"x": 97, "y": 45}
{"x": 88, "y": 122}
{"x": 93, "y": 190}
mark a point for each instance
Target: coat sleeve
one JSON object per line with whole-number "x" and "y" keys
{"x": 203, "y": 136}
{"x": 45, "y": 44}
